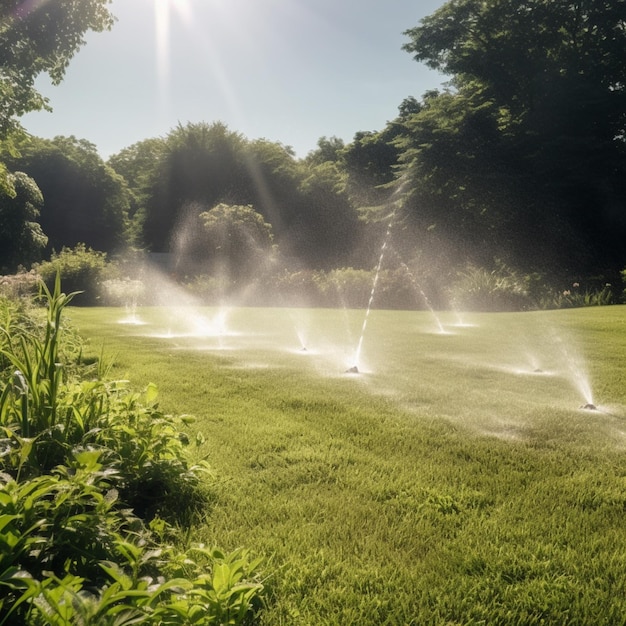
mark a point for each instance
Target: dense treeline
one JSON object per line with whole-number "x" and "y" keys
{"x": 525, "y": 155}
{"x": 519, "y": 162}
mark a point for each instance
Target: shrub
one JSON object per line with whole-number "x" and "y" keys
{"x": 298, "y": 288}
{"x": 81, "y": 270}
{"x": 127, "y": 292}
{"x": 346, "y": 287}
{"x": 352, "y": 288}
{"x": 499, "y": 289}
{"x": 575, "y": 297}
{"x": 22, "y": 284}
{"x": 84, "y": 465}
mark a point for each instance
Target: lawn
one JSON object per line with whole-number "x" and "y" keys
{"x": 455, "y": 479}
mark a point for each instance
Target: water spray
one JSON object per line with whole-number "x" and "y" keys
{"x": 357, "y": 355}
{"x": 427, "y": 302}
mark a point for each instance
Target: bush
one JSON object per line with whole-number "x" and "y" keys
{"x": 298, "y": 289}
{"x": 22, "y": 284}
{"x": 128, "y": 292}
{"x": 575, "y": 296}
{"x": 346, "y": 287}
{"x": 500, "y": 289}
{"x": 81, "y": 269}
{"x": 88, "y": 472}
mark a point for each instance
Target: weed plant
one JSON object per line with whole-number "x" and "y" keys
{"x": 93, "y": 480}
{"x": 455, "y": 480}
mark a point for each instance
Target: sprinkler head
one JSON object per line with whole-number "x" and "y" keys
{"x": 589, "y": 407}
{"x": 303, "y": 349}
{"x": 352, "y": 370}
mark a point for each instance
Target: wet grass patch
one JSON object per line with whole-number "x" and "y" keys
{"x": 449, "y": 483}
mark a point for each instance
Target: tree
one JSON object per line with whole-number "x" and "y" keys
{"x": 85, "y": 201}
{"x": 327, "y": 231}
{"x": 36, "y": 38}
{"x": 239, "y": 241}
{"x": 273, "y": 188}
{"x": 204, "y": 165}
{"x": 370, "y": 162}
{"x": 525, "y": 51}
{"x": 200, "y": 166}
{"x": 137, "y": 165}
{"x": 328, "y": 149}
{"x": 544, "y": 84}
{"x": 21, "y": 238}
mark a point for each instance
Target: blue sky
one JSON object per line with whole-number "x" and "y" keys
{"x": 286, "y": 70}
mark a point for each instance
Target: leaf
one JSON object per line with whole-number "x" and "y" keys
{"x": 7, "y": 519}
{"x": 88, "y": 460}
{"x": 151, "y": 394}
{"x": 117, "y": 574}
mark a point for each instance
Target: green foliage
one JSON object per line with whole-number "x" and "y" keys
{"x": 238, "y": 242}
{"x": 200, "y": 166}
{"x": 80, "y": 268}
{"x": 576, "y": 296}
{"x": 525, "y": 157}
{"x": 347, "y": 287}
{"x": 21, "y": 239}
{"x": 326, "y": 233}
{"x": 136, "y": 166}
{"x": 38, "y": 39}
{"x": 123, "y": 291}
{"x": 85, "y": 201}
{"x": 344, "y": 287}
{"x": 350, "y": 287}
{"x": 328, "y": 149}
{"x": 31, "y": 400}
{"x": 47, "y": 417}
{"x": 70, "y": 554}
{"x": 369, "y": 161}
{"x": 20, "y": 284}
{"x": 83, "y": 465}
{"x": 499, "y": 289}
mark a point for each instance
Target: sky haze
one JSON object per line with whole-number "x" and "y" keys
{"x": 286, "y": 70}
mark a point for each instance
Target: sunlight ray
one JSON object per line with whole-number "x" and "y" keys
{"x": 162, "y": 24}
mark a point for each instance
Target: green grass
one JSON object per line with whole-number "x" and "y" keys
{"x": 447, "y": 483}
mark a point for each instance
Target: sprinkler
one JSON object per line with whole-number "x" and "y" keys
{"x": 352, "y": 370}
{"x": 589, "y": 407}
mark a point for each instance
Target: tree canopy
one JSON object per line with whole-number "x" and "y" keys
{"x": 84, "y": 200}
{"x": 36, "y": 38}
{"x": 21, "y": 239}
{"x": 527, "y": 147}
{"x": 202, "y": 165}
{"x": 239, "y": 241}
{"x": 520, "y": 157}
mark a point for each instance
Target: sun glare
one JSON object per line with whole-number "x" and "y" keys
{"x": 212, "y": 44}
{"x": 163, "y": 10}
